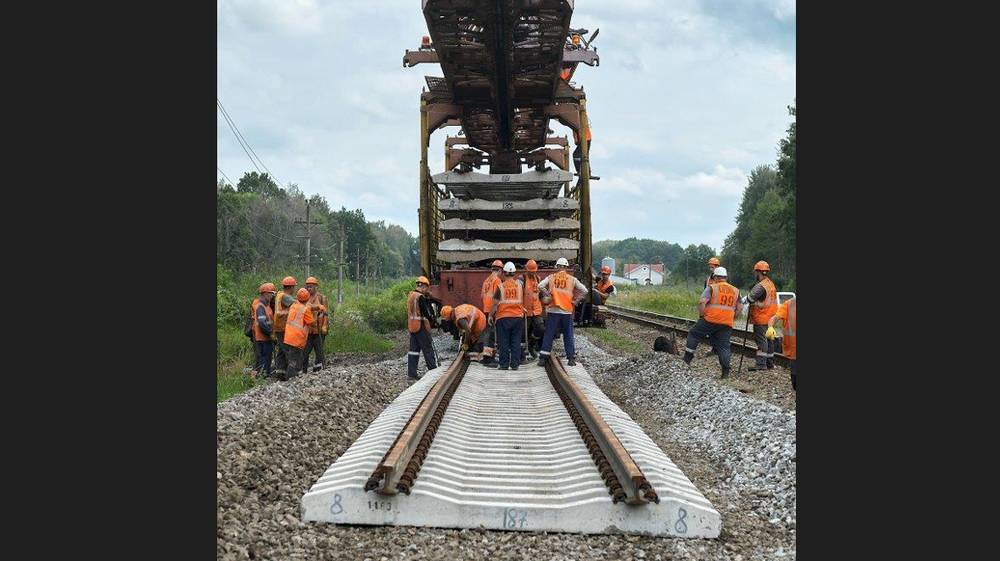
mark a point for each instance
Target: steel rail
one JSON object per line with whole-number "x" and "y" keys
{"x": 661, "y": 321}
{"x": 623, "y": 477}
{"x": 402, "y": 461}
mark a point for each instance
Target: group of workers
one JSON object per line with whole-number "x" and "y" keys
{"x": 717, "y": 309}
{"x": 513, "y": 309}
{"x": 293, "y": 323}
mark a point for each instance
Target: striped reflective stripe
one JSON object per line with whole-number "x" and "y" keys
{"x": 688, "y": 350}
{"x": 544, "y": 353}
{"x": 417, "y": 353}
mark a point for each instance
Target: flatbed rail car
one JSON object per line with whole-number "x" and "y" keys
{"x": 508, "y": 69}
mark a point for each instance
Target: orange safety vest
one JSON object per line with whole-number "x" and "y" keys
{"x": 566, "y": 73}
{"x": 604, "y": 286}
{"x": 259, "y": 335}
{"x": 576, "y": 136}
{"x": 787, "y": 313}
{"x": 721, "y": 307}
{"x": 475, "y": 317}
{"x": 297, "y": 328}
{"x": 532, "y": 305}
{"x": 414, "y": 321}
{"x": 561, "y": 287}
{"x": 760, "y": 312}
{"x": 318, "y": 304}
{"x": 511, "y": 300}
{"x": 280, "y": 312}
{"x": 489, "y": 287}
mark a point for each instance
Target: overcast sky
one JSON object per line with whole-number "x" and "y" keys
{"x": 689, "y": 97}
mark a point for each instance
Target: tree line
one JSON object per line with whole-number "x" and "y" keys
{"x": 765, "y": 222}
{"x": 256, "y": 232}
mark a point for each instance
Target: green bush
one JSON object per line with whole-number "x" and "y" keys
{"x": 386, "y": 312}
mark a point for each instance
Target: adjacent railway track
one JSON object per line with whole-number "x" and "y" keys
{"x": 682, "y": 326}
{"x": 540, "y": 449}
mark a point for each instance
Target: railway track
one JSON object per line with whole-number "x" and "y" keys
{"x": 682, "y": 326}
{"x": 536, "y": 449}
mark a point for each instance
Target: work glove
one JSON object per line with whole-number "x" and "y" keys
{"x": 770, "y": 332}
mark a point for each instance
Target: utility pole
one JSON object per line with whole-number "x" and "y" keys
{"x": 340, "y": 269}
{"x": 308, "y": 224}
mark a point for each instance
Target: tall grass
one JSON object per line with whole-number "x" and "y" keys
{"x": 676, "y": 300}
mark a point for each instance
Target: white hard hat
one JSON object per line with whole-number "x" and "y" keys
{"x": 562, "y": 261}
{"x": 720, "y": 271}
{"x": 508, "y": 267}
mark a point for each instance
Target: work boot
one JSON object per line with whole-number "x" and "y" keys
{"x": 770, "y": 364}
{"x": 317, "y": 367}
{"x": 725, "y": 373}
{"x": 688, "y": 356}
{"x": 542, "y": 359}
{"x": 513, "y": 367}
{"x": 757, "y": 365}
{"x": 571, "y": 362}
{"x": 503, "y": 368}
{"x": 412, "y": 376}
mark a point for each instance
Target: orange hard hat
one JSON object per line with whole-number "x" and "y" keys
{"x": 302, "y": 295}
{"x": 531, "y": 265}
{"x": 497, "y": 263}
{"x": 423, "y": 280}
{"x": 714, "y": 261}
{"x": 312, "y": 280}
{"x": 288, "y": 281}
{"x": 446, "y": 312}
{"x": 266, "y": 287}
{"x": 606, "y": 269}
{"x": 762, "y": 266}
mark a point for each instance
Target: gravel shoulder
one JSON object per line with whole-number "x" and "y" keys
{"x": 275, "y": 440}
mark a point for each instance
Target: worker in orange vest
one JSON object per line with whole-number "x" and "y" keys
{"x": 578, "y": 151}
{"x": 763, "y": 301}
{"x": 318, "y": 304}
{"x": 419, "y": 321}
{"x": 507, "y": 317}
{"x": 561, "y": 292}
{"x": 297, "y": 332}
{"x": 282, "y": 303}
{"x": 489, "y": 289}
{"x": 263, "y": 323}
{"x": 470, "y": 321}
{"x": 717, "y": 308}
{"x": 532, "y": 307}
{"x": 786, "y": 313}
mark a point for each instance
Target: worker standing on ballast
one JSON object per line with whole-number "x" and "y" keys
{"x": 489, "y": 289}
{"x": 532, "y": 308}
{"x": 317, "y": 331}
{"x": 507, "y": 314}
{"x": 263, "y": 327}
{"x": 297, "y": 332}
{"x": 786, "y": 313}
{"x": 420, "y": 321}
{"x": 763, "y": 302}
{"x": 282, "y": 303}
{"x": 562, "y": 292}
{"x": 717, "y": 308}
{"x": 712, "y": 264}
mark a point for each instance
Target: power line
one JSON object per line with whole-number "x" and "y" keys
{"x": 224, "y": 176}
{"x": 250, "y": 222}
{"x": 236, "y": 133}
{"x": 236, "y": 129}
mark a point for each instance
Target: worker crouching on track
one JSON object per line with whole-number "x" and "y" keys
{"x": 507, "y": 317}
{"x": 263, "y": 324}
{"x": 532, "y": 308}
{"x": 470, "y": 322}
{"x": 719, "y": 304}
{"x": 786, "y": 313}
{"x": 420, "y": 321}
{"x": 281, "y": 306}
{"x": 297, "y": 332}
{"x": 317, "y": 331}
{"x": 763, "y": 299}
{"x": 562, "y": 293}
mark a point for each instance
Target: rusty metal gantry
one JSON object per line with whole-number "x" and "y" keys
{"x": 502, "y": 62}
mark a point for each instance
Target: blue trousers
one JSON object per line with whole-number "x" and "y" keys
{"x": 264, "y": 350}
{"x": 564, "y": 324}
{"x": 509, "y": 332}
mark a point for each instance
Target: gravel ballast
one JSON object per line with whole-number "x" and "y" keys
{"x": 275, "y": 440}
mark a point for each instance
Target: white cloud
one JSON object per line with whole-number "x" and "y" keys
{"x": 292, "y": 17}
